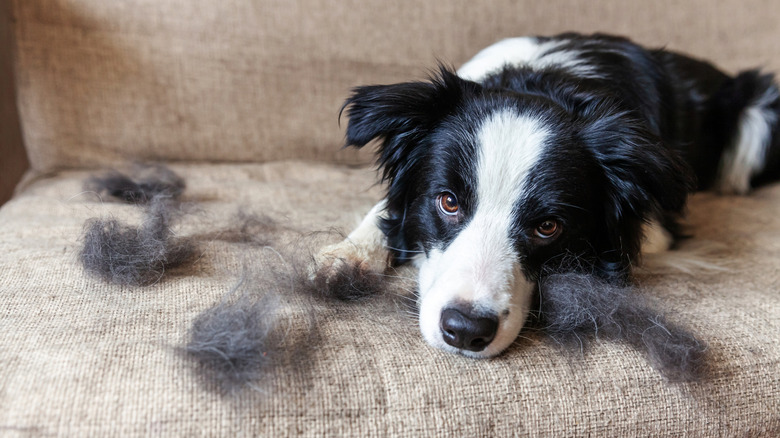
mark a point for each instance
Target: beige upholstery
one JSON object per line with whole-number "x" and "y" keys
{"x": 211, "y": 84}
{"x": 260, "y": 80}
{"x": 80, "y": 357}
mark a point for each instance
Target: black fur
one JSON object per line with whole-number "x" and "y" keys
{"x": 403, "y": 116}
{"x": 629, "y": 174}
{"x": 617, "y": 136}
{"x": 631, "y": 141}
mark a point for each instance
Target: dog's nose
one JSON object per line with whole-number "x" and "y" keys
{"x": 462, "y": 328}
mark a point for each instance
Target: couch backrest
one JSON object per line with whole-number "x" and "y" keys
{"x": 256, "y": 80}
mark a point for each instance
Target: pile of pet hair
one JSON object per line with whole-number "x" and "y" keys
{"x": 575, "y": 307}
{"x": 235, "y": 341}
{"x": 136, "y": 256}
{"x": 151, "y": 181}
{"x": 250, "y": 332}
{"x": 247, "y": 333}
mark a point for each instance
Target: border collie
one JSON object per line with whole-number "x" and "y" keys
{"x": 541, "y": 149}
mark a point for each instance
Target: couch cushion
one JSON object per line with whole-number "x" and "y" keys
{"x": 101, "y": 81}
{"x": 82, "y": 358}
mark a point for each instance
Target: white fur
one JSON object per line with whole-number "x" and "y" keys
{"x": 698, "y": 257}
{"x": 656, "y": 239}
{"x": 694, "y": 257}
{"x": 481, "y": 266}
{"x": 524, "y": 51}
{"x": 365, "y": 246}
{"x": 746, "y": 157}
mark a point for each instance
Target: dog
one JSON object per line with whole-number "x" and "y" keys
{"x": 540, "y": 150}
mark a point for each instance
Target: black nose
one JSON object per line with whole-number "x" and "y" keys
{"x": 464, "y": 329}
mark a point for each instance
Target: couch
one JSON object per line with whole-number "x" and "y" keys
{"x": 241, "y": 98}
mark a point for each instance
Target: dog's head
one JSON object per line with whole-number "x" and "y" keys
{"x": 487, "y": 187}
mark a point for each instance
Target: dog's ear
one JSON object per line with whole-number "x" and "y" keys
{"x": 644, "y": 179}
{"x": 401, "y": 116}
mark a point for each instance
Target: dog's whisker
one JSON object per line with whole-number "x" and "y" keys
{"x": 412, "y": 251}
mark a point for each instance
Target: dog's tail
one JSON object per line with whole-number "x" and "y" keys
{"x": 752, "y": 155}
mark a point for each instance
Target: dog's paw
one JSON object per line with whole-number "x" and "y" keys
{"x": 344, "y": 256}
{"x": 346, "y": 271}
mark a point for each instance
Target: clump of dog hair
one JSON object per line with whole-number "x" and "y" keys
{"x": 345, "y": 282}
{"x": 150, "y": 181}
{"x": 235, "y": 341}
{"x": 262, "y": 324}
{"x": 575, "y": 306}
{"x": 243, "y": 338}
{"x": 136, "y": 256}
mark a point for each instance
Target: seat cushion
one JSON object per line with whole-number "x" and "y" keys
{"x": 80, "y": 357}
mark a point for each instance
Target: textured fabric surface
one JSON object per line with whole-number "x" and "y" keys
{"x": 231, "y": 80}
{"x": 82, "y": 358}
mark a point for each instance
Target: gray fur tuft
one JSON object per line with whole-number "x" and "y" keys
{"x": 576, "y": 306}
{"x": 150, "y": 181}
{"x": 236, "y": 341}
{"x": 136, "y": 256}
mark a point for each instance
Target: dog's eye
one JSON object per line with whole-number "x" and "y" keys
{"x": 448, "y": 203}
{"x": 547, "y": 229}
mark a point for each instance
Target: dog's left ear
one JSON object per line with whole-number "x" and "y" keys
{"x": 401, "y": 116}
{"x": 644, "y": 180}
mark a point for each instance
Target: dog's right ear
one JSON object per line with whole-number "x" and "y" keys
{"x": 401, "y": 116}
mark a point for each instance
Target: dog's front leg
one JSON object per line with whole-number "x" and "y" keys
{"x": 365, "y": 247}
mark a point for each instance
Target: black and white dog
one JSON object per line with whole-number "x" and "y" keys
{"x": 539, "y": 149}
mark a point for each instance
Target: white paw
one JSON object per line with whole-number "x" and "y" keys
{"x": 656, "y": 238}
{"x": 346, "y": 255}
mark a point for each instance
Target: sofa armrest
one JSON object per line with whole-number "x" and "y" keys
{"x": 13, "y": 157}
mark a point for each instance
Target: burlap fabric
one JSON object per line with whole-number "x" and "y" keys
{"x": 82, "y": 358}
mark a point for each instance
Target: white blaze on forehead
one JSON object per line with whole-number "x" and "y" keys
{"x": 509, "y": 145}
{"x": 525, "y": 52}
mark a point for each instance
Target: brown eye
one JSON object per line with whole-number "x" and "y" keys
{"x": 548, "y": 229}
{"x": 448, "y": 204}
